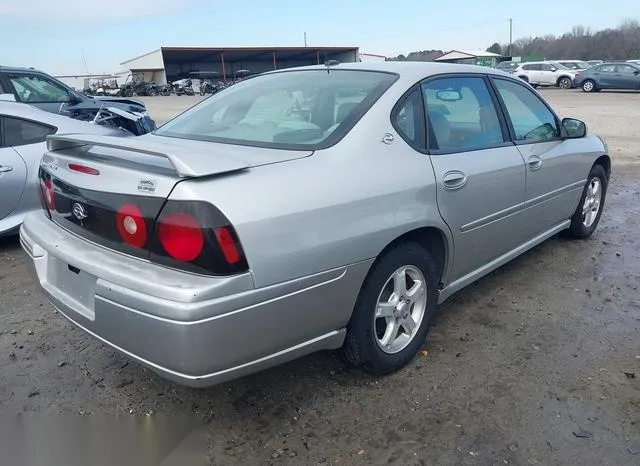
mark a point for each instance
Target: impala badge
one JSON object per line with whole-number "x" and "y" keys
{"x": 79, "y": 211}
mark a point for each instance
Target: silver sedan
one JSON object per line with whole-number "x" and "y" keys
{"x": 23, "y": 131}
{"x": 307, "y": 209}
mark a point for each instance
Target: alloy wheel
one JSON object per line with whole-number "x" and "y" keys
{"x": 592, "y": 202}
{"x": 400, "y": 309}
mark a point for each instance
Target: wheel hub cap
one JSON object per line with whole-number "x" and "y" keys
{"x": 592, "y": 201}
{"x": 400, "y": 309}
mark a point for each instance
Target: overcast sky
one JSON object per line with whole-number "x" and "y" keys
{"x": 54, "y": 35}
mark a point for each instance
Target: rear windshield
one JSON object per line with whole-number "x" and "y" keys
{"x": 304, "y": 109}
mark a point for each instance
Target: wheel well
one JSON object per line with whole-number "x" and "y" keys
{"x": 431, "y": 238}
{"x": 563, "y": 77}
{"x": 605, "y": 161}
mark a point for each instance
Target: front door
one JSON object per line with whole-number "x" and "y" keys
{"x": 480, "y": 175}
{"x": 553, "y": 165}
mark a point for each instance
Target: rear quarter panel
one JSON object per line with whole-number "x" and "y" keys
{"x": 340, "y": 206}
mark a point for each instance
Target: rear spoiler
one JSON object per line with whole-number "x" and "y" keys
{"x": 187, "y": 162}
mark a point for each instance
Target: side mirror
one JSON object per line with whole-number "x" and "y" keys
{"x": 573, "y": 129}
{"x": 74, "y": 99}
{"x": 554, "y": 69}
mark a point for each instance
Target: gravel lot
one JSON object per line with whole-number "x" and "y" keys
{"x": 538, "y": 363}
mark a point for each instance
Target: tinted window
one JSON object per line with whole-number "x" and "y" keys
{"x": 531, "y": 67}
{"x": 292, "y": 109}
{"x": 461, "y": 114}
{"x": 546, "y": 67}
{"x": 21, "y": 132}
{"x": 407, "y": 120}
{"x": 37, "y": 89}
{"x": 606, "y": 69}
{"x": 531, "y": 119}
{"x": 627, "y": 69}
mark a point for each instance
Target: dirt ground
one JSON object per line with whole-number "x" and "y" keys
{"x": 538, "y": 363}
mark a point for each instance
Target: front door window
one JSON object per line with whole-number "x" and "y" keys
{"x": 37, "y": 89}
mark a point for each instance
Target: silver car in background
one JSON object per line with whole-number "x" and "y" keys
{"x": 307, "y": 209}
{"x": 23, "y": 131}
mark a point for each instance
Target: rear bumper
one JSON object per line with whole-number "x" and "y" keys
{"x": 194, "y": 330}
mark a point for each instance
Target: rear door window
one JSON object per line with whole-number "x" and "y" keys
{"x": 606, "y": 69}
{"x": 18, "y": 132}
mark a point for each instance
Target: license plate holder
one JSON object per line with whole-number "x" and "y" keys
{"x": 77, "y": 286}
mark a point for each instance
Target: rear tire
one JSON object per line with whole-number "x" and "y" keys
{"x": 589, "y": 86}
{"x": 587, "y": 215}
{"x": 393, "y": 311}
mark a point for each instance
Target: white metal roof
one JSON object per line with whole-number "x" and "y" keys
{"x": 461, "y": 54}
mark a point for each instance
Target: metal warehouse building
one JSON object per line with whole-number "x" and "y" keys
{"x": 169, "y": 64}
{"x": 470, "y": 57}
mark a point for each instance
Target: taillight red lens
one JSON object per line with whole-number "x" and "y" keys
{"x": 48, "y": 194}
{"x": 131, "y": 225}
{"x": 227, "y": 245}
{"x": 181, "y": 236}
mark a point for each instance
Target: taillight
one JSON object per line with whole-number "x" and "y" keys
{"x": 181, "y": 236}
{"x": 131, "y": 225}
{"x": 48, "y": 195}
{"x": 228, "y": 245}
{"x": 196, "y": 236}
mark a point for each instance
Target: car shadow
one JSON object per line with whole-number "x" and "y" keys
{"x": 9, "y": 242}
{"x": 326, "y": 373}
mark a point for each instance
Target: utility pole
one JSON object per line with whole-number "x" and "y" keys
{"x": 305, "y": 39}
{"x": 510, "y": 37}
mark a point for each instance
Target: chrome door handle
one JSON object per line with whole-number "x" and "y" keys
{"x": 454, "y": 179}
{"x": 5, "y": 168}
{"x": 535, "y": 163}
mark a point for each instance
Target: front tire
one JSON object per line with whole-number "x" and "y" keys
{"x": 587, "y": 215}
{"x": 589, "y": 85}
{"x": 394, "y": 310}
{"x": 565, "y": 83}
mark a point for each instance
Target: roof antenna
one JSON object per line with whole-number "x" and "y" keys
{"x": 330, "y": 63}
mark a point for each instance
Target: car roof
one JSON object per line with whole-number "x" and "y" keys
{"x": 406, "y": 69}
{"x": 10, "y": 69}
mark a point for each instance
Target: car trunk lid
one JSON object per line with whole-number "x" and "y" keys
{"x": 93, "y": 185}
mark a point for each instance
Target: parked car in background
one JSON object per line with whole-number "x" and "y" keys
{"x": 245, "y": 208}
{"x": 508, "y": 66}
{"x": 546, "y": 73}
{"x": 625, "y": 75}
{"x": 635, "y": 62}
{"x": 23, "y": 130}
{"x": 575, "y": 65}
{"x": 595, "y": 62}
{"x": 40, "y": 90}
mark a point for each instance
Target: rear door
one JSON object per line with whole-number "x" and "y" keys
{"x": 605, "y": 75}
{"x": 480, "y": 174}
{"x": 13, "y": 175}
{"x": 21, "y": 149}
{"x": 553, "y": 165}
